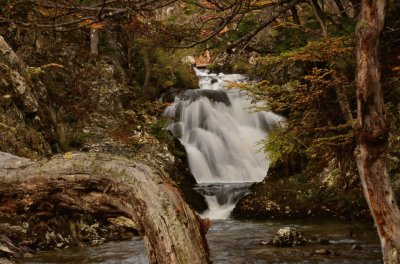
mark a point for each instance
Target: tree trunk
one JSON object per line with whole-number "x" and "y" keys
{"x": 356, "y": 7}
{"x": 98, "y": 184}
{"x": 147, "y": 69}
{"x": 372, "y": 131}
{"x": 295, "y": 16}
{"x": 319, "y": 16}
{"x": 343, "y": 100}
{"x": 130, "y": 41}
{"x": 340, "y": 6}
{"x": 94, "y": 42}
{"x": 344, "y": 104}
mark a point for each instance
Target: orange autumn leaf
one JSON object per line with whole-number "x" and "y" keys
{"x": 85, "y": 23}
{"x": 97, "y": 25}
{"x": 397, "y": 68}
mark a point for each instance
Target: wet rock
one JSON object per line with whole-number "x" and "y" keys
{"x": 356, "y": 247}
{"x": 7, "y": 248}
{"x": 325, "y": 252}
{"x": 180, "y": 173}
{"x": 304, "y": 195}
{"x": 4, "y": 250}
{"x": 253, "y": 58}
{"x": 6, "y": 261}
{"x": 212, "y": 95}
{"x": 322, "y": 252}
{"x": 123, "y": 221}
{"x": 5, "y": 100}
{"x": 322, "y": 241}
{"x": 261, "y": 243}
{"x": 288, "y": 236}
{"x": 18, "y": 106}
{"x": 9, "y": 161}
{"x": 190, "y": 60}
{"x": 22, "y": 92}
{"x": 130, "y": 114}
{"x": 169, "y": 96}
{"x": 8, "y": 55}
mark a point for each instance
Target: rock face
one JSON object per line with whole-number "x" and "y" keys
{"x": 300, "y": 196}
{"x": 72, "y": 102}
{"x": 120, "y": 192}
{"x": 18, "y": 108}
{"x": 67, "y": 101}
{"x": 8, "y": 56}
{"x": 212, "y": 95}
{"x": 287, "y": 237}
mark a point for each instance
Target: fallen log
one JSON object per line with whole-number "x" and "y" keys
{"x": 100, "y": 184}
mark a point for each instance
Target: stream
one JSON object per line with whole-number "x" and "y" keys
{"x": 234, "y": 242}
{"x": 221, "y": 134}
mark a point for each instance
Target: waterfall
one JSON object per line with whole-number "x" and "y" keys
{"x": 221, "y": 135}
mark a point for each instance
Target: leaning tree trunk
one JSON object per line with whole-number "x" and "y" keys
{"x": 102, "y": 184}
{"x": 372, "y": 131}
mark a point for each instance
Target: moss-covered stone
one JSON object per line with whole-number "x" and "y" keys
{"x": 182, "y": 176}
{"x": 324, "y": 195}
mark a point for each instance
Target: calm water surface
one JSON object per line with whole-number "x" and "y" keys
{"x": 234, "y": 241}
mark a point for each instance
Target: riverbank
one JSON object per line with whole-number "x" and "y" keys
{"x": 234, "y": 241}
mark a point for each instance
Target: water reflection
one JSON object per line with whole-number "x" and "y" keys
{"x": 235, "y": 242}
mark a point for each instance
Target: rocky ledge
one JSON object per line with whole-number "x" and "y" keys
{"x": 300, "y": 196}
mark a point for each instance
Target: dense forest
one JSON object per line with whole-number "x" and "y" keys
{"x": 84, "y": 85}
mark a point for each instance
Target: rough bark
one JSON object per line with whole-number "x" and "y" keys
{"x": 129, "y": 39}
{"x": 344, "y": 103}
{"x": 295, "y": 15}
{"x": 372, "y": 130}
{"x": 147, "y": 69}
{"x": 341, "y": 8}
{"x": 94, "y": 42}
{"x": 318, "y": 13}
{"x": 98, "y": 184}
{"x": 356, "y": 4}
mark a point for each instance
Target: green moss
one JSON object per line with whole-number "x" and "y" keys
{"x": 246, "y": 26}
{"x": 166, "y": 72}
{"x": 241, "y": 65}
{"x": 288, "y": 37}
{"x": 158, "y": 129}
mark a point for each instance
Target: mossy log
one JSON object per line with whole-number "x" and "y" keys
{"x": 103, "y": 184}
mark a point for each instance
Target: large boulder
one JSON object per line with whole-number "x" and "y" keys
{"x": 19, "y": 108}
{"x": 287, "y": 237}
{"x": 300, "y": 196}
{"x": 212, "y": 95}
{"x": 8, "y": 56}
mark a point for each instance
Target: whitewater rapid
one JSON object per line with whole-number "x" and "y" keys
{"x": 221, "y": 134}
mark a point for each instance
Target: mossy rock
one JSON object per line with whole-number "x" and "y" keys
{"x": 181, "y": 175}
{"x": 296, "y": 198}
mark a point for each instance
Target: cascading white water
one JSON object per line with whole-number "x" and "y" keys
{"x": 221, "y": 134}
